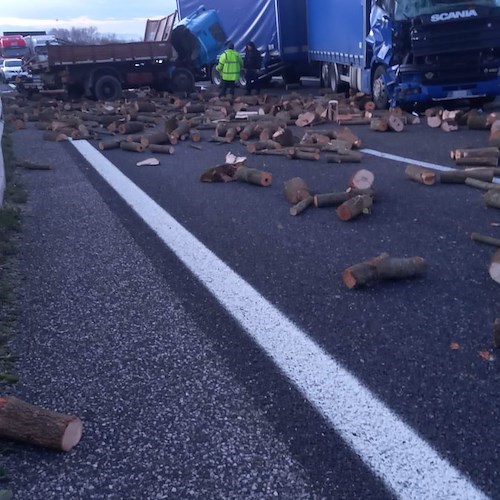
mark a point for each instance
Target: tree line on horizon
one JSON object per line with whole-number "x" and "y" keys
{"x": 86, "y": 36}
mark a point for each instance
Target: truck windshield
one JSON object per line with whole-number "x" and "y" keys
{"x": 14, "y": 51}
{"x": 407, "y": 9}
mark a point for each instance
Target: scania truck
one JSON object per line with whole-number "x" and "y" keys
{"x": 408, "y": 52}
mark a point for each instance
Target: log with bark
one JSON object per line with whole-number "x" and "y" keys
{"x": 301, "y": 206}
{"x": 421, "y": 174}
{"x": 165, "y": 149}
{"x": 459, "y": 176}
{"x": 487, "y": 152}
{"x": 130, "y": 127}
{"x": 492, "y": 198}
{"x": 220, "y": 173}
{"x": 345, "y": 134}
{"x": 22, "y": 421}
{"x": 136, "y": 147}
{"x": 336, "y": 199}
{"x": 357, "y": 205}
{"x": 345, "y": 156}
{"x": 296, "y": 190}
{"x": 382, "y": 267}
{"x": 482, "y": 238}
{"x": 283, "y": 136}
{"x": 253, "y": 176}
{"x": 481, "y": 184}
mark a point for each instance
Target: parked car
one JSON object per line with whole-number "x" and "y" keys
{"x": 10, "y": 69}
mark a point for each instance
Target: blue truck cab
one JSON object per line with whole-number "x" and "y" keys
{"x": 408, "y": 51}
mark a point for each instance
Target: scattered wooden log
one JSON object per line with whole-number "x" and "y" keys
{"x": 449, "y": 125}
{"x": 283, "y": 136}
{"x": 335, "y": 199}
{"x": 345, "y": 156}
{"x": 421, "y": 174}
{"x": 180, "y": 133}
{"x": 492, "y": 198}
{"x": 296, "y": 190}
{"x": 496, "y": 333}
{"x": 459, "y": 176}
{"x": 481, "y": 184}
{"x": 485, "y": 239}
{"x": 494, "y": 268}
{"x": 29, "y": 165}
{"x": 307, "y": 118}
{"x": 148, "y": 162}
{"x": 54, "y": 135}
{"x": 253, "y": 176}
{"x": 455, "y": 154}
{"x": 22, "y": 421}
{"x": 154, "y": 138}
{"x": 247, "y": 132}
{"x": 143, "y": 106}
{"x": 136, "y": 147}
{"x": 357, "y": 205}
{"x": 109, "y": 144}
{"x": 362, "y": 179}
{"x": 382, "y": 267}
{"x": 130, "y": 127}
{"x": 477, "y": 161}
{"x": 304, "y": 155}
{"x": 379, "y": 124}
{"x": 301, "y": 206}
{"x": 165, "y": 149}
{"x": 478, "y": 122}
{"x": 494, "y": 139}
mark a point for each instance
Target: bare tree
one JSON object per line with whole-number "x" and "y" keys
{"x": 84, "y": 36}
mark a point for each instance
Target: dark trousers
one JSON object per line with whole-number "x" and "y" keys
{"x": 227, "y": 86}
{"x": 252, "y": 81}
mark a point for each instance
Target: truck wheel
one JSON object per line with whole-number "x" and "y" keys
{"x": 107, "y": 88}
{"x": 215, "y": 76}
{"x": 379, "y": 89}
{"x": 325, "y": 74}
{"x": 182, "y": 80}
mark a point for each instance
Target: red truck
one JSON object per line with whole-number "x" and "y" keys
{"x": 13, "y": 47}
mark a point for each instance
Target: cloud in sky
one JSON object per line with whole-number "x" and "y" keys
{"x": 108, "y": 17}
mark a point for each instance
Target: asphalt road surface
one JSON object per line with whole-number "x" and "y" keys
{"x": 207, "y": 341}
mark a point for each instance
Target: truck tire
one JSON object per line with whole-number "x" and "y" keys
{"x": 379, "y": 91}
{"x": 107, "y": 88}
{"x": 182, "y": 80}
{"x": 324, "y": 76}
{"x": 215, "y": 76}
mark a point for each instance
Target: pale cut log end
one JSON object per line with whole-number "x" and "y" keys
{"x": 429, "y": 179}
{"x": 72, "y": 434}
{"x": 349, "y": 279}
{"x": 266, "y": 179}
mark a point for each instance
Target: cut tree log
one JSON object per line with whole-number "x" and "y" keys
{"x": 346, "y": 135}
{"x": 165, "y": 149}
{"x": 130, "y": 127}
{"x": 283, "y": 136}
{"x": 459, "y": 176}
{"x": 148, "y": 162}
{"x": 304, "y": 155}
{"x": 494, "y": 268}
{"x": 379, "y": 124}
{"x": 481, "y": 185}
{"x": 253, "y": 176}
{"x": 357, "y": 205}
{"x": 485, "y": 239}
{"x": 421, "y": 174}
{"x": 154, "y": 138}
{"x": 455, "y": 154}
{"x": 33, "y": 165}
{"x": 496, "y": 333}
{"x": 296, "y": 190}
{"x": 335, "y": 199}
{"x": 137, "y": 147}
{"x": 301, "y": 206}
{"x": 381, "y": 268}
{"x": 395, "y": 123}
{"x": 257, "y": 146}
{"x": 51, "y": 135}
{"x": 346, "y": 156}
{"x": 478, "y": 122}
{"x": 492, "y": 198}
{"x": 362, "y": 179}
{"x": 22, "y": 421}
{"x": 477, "y": 161}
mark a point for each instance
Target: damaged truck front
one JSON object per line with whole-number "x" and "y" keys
{"x": 103, "y": 71}
{"x": 409, "y": 51}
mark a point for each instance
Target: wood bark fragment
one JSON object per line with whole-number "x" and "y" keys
{"x": 347, "y": 156}
{"x": 477, "y": 161}
{"x": 382, "y": 267}
{"x": 110, "y": 144}
{"x": 130, "y": 127}
{"x": 474, "y": 152}
{"x": 165, "y": 149}
{"x": 22, "y": 421}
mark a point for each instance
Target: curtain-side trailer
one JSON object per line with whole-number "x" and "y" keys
{"x": 408, "y": 51}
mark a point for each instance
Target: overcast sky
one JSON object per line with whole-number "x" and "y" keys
{"x": 126, "y": 18}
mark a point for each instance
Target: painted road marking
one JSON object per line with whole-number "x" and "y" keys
{"x": 402, "y": 159}
{"x": 394, "y": 452}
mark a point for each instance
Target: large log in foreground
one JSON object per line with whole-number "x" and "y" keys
{"x": 381, "y": 268}
{"x": 22, "y": 421}
{"x": 494, "y": 268}
{"x": 421, "y": 174}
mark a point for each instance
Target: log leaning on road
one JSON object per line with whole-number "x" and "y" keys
{"x": 22, "y": 421}
{"x": 421, "y": 174}
{"x": 295, "y": 190}
{"x": 354, "y": 206}
{"x": 382, "y": 267}
{"x": 253, "y": 176}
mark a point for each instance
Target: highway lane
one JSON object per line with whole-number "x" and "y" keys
{"x": 395, "y": 337}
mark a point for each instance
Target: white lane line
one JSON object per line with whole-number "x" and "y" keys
{"x": 402, "y": 159}
{"x": 388, "y": 446}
